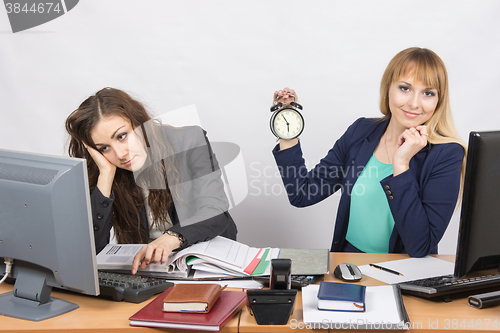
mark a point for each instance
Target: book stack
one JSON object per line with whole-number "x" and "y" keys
{"x": 205, "y": 307}
{"x": 382, "y": 306}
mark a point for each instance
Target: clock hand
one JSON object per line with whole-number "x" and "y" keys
{"x": 287, "y": 124}
{"x": 285, "y": 120}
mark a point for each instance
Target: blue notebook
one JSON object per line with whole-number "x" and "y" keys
{"x": 335, "y": 296}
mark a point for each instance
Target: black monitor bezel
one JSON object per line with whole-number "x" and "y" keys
{"x": 469, "y": 257}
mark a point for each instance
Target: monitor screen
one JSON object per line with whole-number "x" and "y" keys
{"x": 46, "y": 228}
{"x": 479, "y": 232}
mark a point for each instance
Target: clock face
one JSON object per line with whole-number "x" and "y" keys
{"x": 287, "y": 124}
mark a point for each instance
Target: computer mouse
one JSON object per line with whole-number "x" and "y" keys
{"x": 347, "y": 272}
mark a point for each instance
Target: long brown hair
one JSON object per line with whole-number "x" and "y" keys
{"x": 129, "y": 198}
{"x": 426, "y": 67}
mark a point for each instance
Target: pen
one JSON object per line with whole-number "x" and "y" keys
{"x": 385, "y": 269}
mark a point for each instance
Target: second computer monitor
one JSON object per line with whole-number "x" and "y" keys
{"x": 479, "y": 232}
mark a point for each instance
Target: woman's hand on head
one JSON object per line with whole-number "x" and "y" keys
{"x": 105, "y": 167}
{"x": 285, "y": 96}
{"x": 155, "y": 252}
{"x": 410, "y": 142}
{"x": 106, "y": 171}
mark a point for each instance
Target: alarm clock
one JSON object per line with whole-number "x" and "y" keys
{"x": 287, "y": 122}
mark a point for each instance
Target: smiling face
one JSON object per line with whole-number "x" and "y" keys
{"x": 411, "y": 103}
{"x": 115, "y": 138}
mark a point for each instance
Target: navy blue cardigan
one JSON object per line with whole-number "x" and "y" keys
{"x": 422, "y": 199}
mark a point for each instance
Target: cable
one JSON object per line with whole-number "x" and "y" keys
{"x": 8, "y": 266}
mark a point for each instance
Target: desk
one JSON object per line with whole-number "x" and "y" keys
{"x": 94, "y": 315}
{"x": 101, "y": 315}
{"x": 426, "y": 315}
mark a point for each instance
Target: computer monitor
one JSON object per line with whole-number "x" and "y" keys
{"x": 46, "y": 227}
{"x": 478, "y": 245}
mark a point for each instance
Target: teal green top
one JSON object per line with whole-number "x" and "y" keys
{"x": 370, "y": 219}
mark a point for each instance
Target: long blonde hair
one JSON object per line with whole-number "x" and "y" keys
{"x": 426, "y": 67}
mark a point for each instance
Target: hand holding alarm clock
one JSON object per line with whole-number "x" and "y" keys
{"x": 286, "y": 122}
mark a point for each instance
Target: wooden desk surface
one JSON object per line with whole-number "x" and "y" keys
{"x": 425, "y": 315}
{"x": 94, "y": 315}
{"x": 102, "y": 315}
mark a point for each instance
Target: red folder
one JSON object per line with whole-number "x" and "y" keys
{"x": 253, "y": 264}
{"x": 228, "y": 304}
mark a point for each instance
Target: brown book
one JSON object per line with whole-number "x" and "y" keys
{"x": 192, "y": 297}
{"x": 229, "y": 304}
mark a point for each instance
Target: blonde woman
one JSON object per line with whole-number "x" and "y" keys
{"x": 400, "y": 175}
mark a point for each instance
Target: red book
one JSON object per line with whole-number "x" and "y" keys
{"x": 228, "y": 304}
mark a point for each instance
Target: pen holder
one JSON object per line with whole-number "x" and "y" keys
{"x": 271, "y": 307}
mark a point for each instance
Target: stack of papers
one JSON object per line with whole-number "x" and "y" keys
{"x": 217, "y": 257}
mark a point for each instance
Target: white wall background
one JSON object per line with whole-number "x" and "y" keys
{"x": 228, "y": 57}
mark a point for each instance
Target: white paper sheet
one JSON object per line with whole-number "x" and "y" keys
{"x": 412, "y": 269}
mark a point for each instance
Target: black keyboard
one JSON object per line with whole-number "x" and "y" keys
{"x": 448, "y": 284}
{"x": 130, "y": 288}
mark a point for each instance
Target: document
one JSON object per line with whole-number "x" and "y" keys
{"x": 411, "y": 269}
{"x": 119, "y": 257}
{"x": 238, "y": 283}
{"x": 384, "y": 310}
{"x": 219, "y": 255}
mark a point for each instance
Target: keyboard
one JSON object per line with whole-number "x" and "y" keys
{"x": 448, "y": 284}
{"x": 130, "y": 288}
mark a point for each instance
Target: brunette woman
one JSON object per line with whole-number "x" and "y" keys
{"x": 150, "y": 183}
